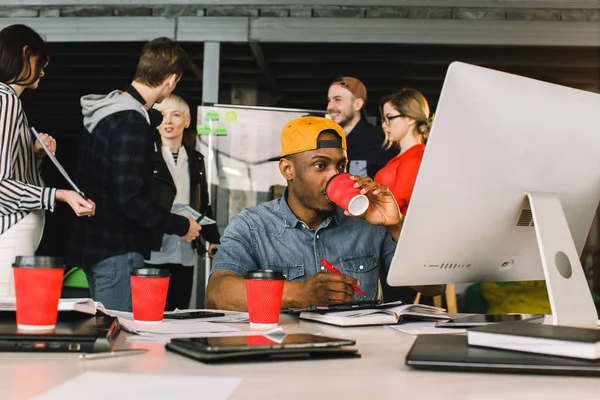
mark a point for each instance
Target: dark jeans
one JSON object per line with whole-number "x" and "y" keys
{"x": 180, "y": 285}
{"x": 109, "y": 280}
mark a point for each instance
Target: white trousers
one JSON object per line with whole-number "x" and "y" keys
{"x": 21, "y": 239}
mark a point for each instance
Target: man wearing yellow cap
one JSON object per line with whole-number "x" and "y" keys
{"x": 293, "y": 233}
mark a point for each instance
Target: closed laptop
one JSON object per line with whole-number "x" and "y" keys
{"x": 452, "y": 353}
{"x": 74, "y": 332}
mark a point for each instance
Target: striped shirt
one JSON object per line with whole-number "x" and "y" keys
{"x": 21, "y": 186}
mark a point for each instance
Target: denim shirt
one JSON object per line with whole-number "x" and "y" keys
{"x": 270, "y": 236}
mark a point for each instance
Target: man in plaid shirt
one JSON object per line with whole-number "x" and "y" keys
{"x": 115, "y": 169}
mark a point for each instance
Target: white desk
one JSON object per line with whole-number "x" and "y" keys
{"x": 379, "y": 374}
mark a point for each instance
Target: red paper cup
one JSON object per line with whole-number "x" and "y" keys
{"x": 340, "y": 190}
{"x": 149, "y": 287}
{"x": 264, "y": 291}
{"x": 38, "y": 283}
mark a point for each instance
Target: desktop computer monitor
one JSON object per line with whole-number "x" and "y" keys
{"x": 507, "y": 189}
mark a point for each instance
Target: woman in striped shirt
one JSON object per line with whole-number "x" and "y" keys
{"x": 23, "y": 195}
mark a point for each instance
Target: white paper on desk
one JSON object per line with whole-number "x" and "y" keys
{"x": 83, "y": 305}
{"x": 424, "y": 328}
{"x": 141, "y": 386}
{"x": 276, "y": 334}
{"x": 188, "y": 211}
{"x": 169, "y": 328}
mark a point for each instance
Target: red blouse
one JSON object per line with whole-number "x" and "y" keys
{"x": 400, "y": 173}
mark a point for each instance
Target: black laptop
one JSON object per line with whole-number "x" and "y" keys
{"x": 74, "y": 332}
{"x": 452, "y": 353}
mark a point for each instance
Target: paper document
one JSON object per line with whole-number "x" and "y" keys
{"x": 188, "y": 211}
{"x": 170, "y": 328}
{"x": 275, "y": 334}
{"x": 83, "y": 305}
{"x": 425, "y": 328}
{"x": 56, "y": 163}
{"x": 92, "y": 386}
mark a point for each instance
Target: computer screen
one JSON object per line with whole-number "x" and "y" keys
{"x": 507, "y": 189}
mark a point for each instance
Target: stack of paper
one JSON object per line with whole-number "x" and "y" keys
{"x": 86, "y": 306}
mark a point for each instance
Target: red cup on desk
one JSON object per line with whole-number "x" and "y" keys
{"x": 264, "y": 292}
{"x": 340, "y": 190}
{"x": 149, "y": 287}
{"x": 38, "y": 283}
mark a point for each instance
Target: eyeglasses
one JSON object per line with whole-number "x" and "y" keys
{"x": 386, "y": 120}
{"x": 46, "y": 62}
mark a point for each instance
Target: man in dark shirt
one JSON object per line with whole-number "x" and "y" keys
{"x": 115, "y": 169}
{"x": 345, "y": 103}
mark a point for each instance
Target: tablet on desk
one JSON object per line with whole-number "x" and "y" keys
{"x": 251, "y": 343}
{"x": 263, "y": 348}
{"x": 486, "y": 319}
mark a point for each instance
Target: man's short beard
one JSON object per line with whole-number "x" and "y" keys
{"x": 345, "y": 120}
{"x": 326, "y": 213}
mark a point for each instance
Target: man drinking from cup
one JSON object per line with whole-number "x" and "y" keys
{"x": 293, "y": 233}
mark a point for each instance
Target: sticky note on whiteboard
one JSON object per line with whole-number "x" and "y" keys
{"x": 221, "y": 131}
{"x": 212, "y": 115}
{"x": 203, "y": 129}
{"x": 231, "y": 116}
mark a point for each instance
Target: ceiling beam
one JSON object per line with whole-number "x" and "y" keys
{"x": 317, "y": 30}
{"x": 392, "y": 30}
{"x": 98, "y": 29}
{"x": 543, "y": 4}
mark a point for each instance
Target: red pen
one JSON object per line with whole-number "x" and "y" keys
{"x": 334, "y": 270}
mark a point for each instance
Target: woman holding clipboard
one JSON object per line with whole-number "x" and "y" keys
{"x": 179, "y": 180}
{"x": 23, "y": 195}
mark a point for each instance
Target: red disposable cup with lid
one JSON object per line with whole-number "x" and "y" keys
{"x": 149, "y": 288}
{"x": 264, "y": 293}
{"x": 38, "y": 284}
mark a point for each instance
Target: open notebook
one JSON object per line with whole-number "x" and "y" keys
{"x": 380, "y": 315}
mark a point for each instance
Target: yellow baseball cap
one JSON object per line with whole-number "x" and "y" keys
{"x": 301, "y": 134}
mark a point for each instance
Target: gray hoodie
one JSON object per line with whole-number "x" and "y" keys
{"x": 98, "y": 106}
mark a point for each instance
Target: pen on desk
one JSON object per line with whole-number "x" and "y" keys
{"x": 334, "y": 270}
{"x": 114, "y": 353}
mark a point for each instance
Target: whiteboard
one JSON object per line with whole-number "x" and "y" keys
{"x": 237, "y": 142}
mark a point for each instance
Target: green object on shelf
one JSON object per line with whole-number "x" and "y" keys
{"x": 75, "y": 278}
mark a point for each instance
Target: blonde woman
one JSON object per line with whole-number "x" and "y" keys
{"x": 406, "y": 121}
{"x": 179, "y": 180}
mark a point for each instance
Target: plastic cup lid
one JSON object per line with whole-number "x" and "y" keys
{"x": 151, "y": 272}
{"x": 265, "y": 274}
{"x": 39, "y": 262}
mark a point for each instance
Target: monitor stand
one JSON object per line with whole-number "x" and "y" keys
{"x": 568, "y": 290}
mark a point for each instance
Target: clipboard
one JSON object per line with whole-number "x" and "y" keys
{"x": 57, "y": 164}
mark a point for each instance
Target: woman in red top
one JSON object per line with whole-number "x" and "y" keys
{"x": 406, "y": 121}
